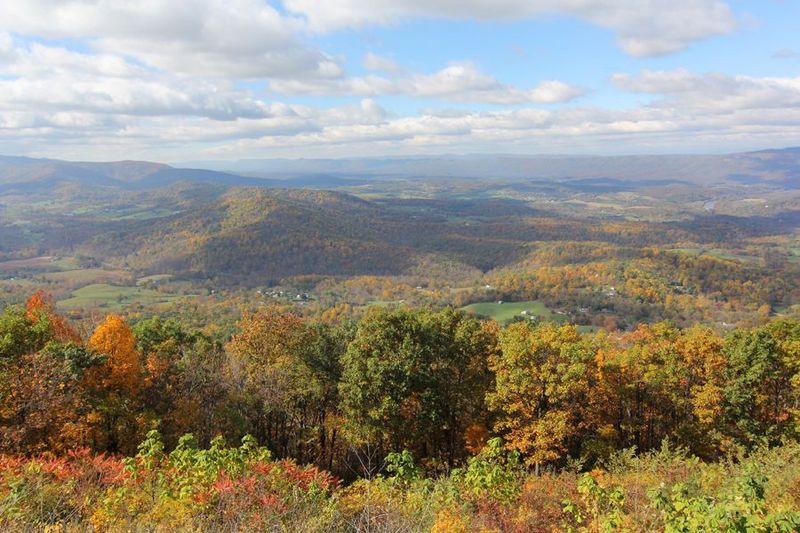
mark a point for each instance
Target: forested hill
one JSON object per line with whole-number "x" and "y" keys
{"x": 598, "y": 251}
{"x": 26, "y": 175}
{"x": 252, "y": 235}
{"x": 256, "y": 234}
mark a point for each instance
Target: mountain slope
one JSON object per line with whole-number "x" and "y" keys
{"x": 254, "y": 235}
{"x": 24, "y": 175}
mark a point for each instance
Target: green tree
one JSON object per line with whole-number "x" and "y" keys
{"x": 759, "y": 395}
{"x": 414, "y": 379}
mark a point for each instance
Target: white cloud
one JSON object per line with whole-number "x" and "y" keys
{"x": 161, "y": 79}
{"x": 643, "y": 27}
{"x": 713, "y": 92}
{"x": 459, "y": 81}
{"x": 52, "y": 79}
{"x": 669, "y": 124}
{"x": 376, "y": 62}
{"x": 215, "y": 38}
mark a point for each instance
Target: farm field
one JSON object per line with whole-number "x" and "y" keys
{"x": 45, "y": 263}
{"x": 87, "y": 276}
{"x": 114, "y": 297}
{"x": 507, "y": 311}
{"x": 720, "y": 254}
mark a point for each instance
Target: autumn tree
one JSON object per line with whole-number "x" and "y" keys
{"x": 43, "y": 402}
{"x": 701, "y": 354}
{"x": 542, "y": 380}
{"x": 183, "y": 379}
{"x": 41, "y": 306}
{"x": 117, "y": 384}
{"x": 21, "y": 334}
{"x": 122, "y": 370}
{"x": 286, "y": 372}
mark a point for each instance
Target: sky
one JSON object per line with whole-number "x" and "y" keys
{"x": 198, "y": 80}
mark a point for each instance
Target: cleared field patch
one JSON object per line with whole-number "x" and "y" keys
{"x": 719, "y": 253}
{"x": 113, "y": 297}
{"x": 17, "y": 283}
{"x": 507, "y": 311}
{"x": 87, "y": 276}
{"x": 45, "y": 262}
{"x": 155, "y": 278}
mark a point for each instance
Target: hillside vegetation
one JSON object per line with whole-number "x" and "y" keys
{"x": 403, "y": 420}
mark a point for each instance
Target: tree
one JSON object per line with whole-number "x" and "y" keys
{"x": 541, "y": 384}
{"x": 117, "y": 385}
{"x": 43, "y": 401}
{"x": 40, "y": 305}
{"x": 286, "y": 372}
{"x": 122, "y": 371}
{"x": 21, "y": 334}
{"x": 415, "y": 379}
{"x": 759, "y": 396}
{"x": 183, "y": 384}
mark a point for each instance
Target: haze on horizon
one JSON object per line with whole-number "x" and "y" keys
{"x": 240, "y": 79}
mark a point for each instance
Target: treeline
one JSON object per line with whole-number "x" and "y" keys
{"x": 436, "y": 383}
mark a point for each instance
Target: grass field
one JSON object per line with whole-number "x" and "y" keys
{"x": 505, "y": 312}
{"x": 113, "y": 297}
{"x": 719, "y": 253}
{"x": 86, "y": 276}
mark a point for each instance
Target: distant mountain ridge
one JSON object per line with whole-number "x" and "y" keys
{"x": 26, "y": 174}
{"x": 780, "y": 167}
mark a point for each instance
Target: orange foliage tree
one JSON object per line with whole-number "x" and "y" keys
{"x": 41, "y": 304}
{"x": 123, "y": 369}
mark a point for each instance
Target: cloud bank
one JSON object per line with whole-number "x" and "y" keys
{"x": 172, "y": 80}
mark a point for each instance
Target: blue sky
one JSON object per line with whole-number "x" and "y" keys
{"x": 230, "y": 79}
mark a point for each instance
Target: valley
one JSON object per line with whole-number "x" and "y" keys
{"x": 144, "y": 238}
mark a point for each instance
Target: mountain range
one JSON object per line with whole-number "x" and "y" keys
{"x": 779, "y": 168}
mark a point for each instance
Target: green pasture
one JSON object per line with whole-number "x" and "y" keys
{"x": 507, "y": 311}
{"x": 113, "y": 297}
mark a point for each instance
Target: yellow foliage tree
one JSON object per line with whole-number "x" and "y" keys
{"x": 541, "y": 385}
{"x": 123, "y": 370}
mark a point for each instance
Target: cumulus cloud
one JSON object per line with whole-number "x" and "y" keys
{"x": 459, "y": 81}
{"x": 643, "y": 27}
{"x": 38, "y": 78}
{"x": 713, "y": 92}
{"x": 527, "y": 130}
{"x": 217, "y": 38}
{"x": 676, "y": 120}
{"x": 161, "y": 79}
